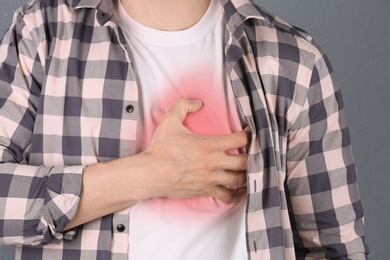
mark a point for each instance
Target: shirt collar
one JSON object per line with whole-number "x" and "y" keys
{"x": 243, "y": 7}
{"x": 246, "y": 8}
{"x": 76, "y": 4}
{"x": 237, "y": 12}
{"x": 105, "y": 8}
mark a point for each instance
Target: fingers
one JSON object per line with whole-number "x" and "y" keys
{"x": 233, "y": 141}
{"x": 236, "y": 162}
{"x": 227, "y": 195}
{"x": 228, "y": 144}
{"x": 231, "y": 179}
{"x": 181, "y": 108}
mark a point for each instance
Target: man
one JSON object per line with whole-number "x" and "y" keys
{"x": 172, "y": 130}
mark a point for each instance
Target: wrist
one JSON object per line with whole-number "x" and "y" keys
{"x": 141, "y": 176}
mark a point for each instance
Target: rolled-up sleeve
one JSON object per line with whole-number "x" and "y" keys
{"x": 324, "y": 203}
{"x": 36, "y": 201}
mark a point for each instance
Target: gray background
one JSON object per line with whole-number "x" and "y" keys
{"x": 356, "y": 36}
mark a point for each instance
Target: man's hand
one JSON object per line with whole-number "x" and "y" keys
{"x": 195, "y": 165}
{"x": 177, "y": 164}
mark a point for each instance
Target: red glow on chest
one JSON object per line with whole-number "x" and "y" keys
{"x": 213, "y": 118}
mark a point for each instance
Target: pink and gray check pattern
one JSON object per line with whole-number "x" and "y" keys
{"x": 66, "y": 79}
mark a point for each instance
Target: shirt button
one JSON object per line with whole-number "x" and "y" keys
{"x": 120, "y": 228}
{"x": 130, "y": 109}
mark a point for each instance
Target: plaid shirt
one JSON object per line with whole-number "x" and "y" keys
{"x": 69, "y": 98}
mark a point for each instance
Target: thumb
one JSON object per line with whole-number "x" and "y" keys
{"x": 182, "y": 107}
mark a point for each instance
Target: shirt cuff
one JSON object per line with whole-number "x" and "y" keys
{"x": 62, "y": 198}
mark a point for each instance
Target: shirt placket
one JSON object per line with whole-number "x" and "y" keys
{"x": 129, "y": 121}
{"x": 257, "y": 213}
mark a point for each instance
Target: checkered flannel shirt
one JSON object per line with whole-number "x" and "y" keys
{"x": 66, "y": 86}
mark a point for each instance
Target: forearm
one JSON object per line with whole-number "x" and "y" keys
{"x": 109, "y": 187}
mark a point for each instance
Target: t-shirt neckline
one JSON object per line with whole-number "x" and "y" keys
{"x": 170, "y": 38}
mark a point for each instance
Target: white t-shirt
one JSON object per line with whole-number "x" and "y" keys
{"x": 172, "y": 64}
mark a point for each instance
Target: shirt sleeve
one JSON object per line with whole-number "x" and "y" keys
{"x": 36, "y": 201}
{"x": 324, "y": 204}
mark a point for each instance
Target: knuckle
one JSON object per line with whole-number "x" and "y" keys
{"x": 227, "y": 197}
{"x": 243, "y": 179}
{"x": 209, "y": 164}
{"x": 180, "y": 101}
{"x": 239, "y": 180}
